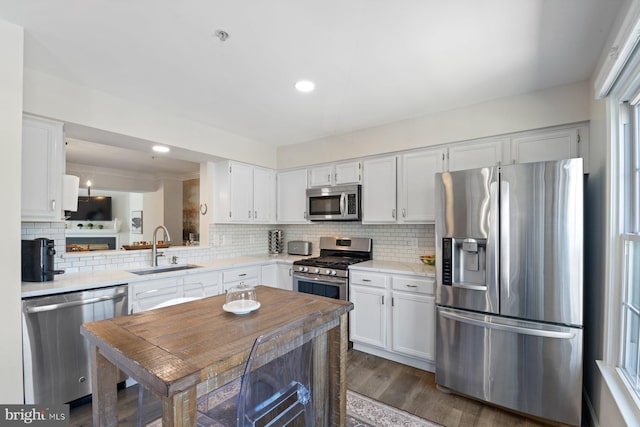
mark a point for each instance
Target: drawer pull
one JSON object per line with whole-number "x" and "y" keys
{"x": 242, "y": 274}
{"x": 366, "y": 280}
{"x": 412, "y": 286}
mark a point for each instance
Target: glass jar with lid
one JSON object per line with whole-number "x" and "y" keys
{"x": 241, "y": 299}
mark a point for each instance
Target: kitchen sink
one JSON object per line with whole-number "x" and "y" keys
{"x": 164, "y": 269}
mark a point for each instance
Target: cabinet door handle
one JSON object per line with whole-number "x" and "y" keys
{"x": 53, "y": 205}
{"x": 382, "y": 299}
{"x": 404, "y": 213}
{"x": 393, "y": 213}
{"x": 203, "y": 209}
{"x": 249, "y": 214}
{"x": 393, "y": 302}
{"x": 255, "y": 214}
{"x": 328, "y": 178}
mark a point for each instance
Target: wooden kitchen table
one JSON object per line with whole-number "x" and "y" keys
{"x": 184, "y": 351}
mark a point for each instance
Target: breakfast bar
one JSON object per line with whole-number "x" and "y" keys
{"x": 181, "y": 352}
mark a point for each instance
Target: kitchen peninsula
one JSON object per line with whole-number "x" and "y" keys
{"x": 182, "y": 352}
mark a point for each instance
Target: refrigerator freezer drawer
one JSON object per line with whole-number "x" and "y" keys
{"x": 521, "y": 365}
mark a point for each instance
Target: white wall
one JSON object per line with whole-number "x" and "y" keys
{"x": 11, "y": 46}
{"x": 113, "y": 179}
{"x": 163, "y": 207}
{"x": 173, "y": 190}
{"x": 551, "y": 107}
{"x": 152, "y": 214}
{"x": 58, "y": 99}
{"x": 136, "y": 203}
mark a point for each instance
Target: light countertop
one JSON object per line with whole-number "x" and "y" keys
{"x": 395, "y": 267}
{"x": 103, "y": 278}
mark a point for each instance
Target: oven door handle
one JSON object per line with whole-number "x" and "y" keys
{"x": 324, "y": 279}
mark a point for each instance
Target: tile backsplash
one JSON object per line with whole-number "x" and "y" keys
{"x": 404, "y": 243}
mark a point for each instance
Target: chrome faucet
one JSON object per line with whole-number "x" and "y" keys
{"x": 154, "y": 250}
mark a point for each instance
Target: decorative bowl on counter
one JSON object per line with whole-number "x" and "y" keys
{"x": 241, "y": 299}
{"x": 429, "y": 260}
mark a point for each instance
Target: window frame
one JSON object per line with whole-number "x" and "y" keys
{"x": 627, "y": 89}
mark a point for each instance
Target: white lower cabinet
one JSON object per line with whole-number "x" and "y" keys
{"x": 149, "y": 293}
{"x": 368, "y": 322}
{"x": 413, "y": 324}
{"x": 393, "y": 316}
{"x": 237, "y": 276}
{"x": 277, "y": 275}
{"x": 201, "y": 285}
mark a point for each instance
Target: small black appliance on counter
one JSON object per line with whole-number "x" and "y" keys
{"x": 37, "y": 260}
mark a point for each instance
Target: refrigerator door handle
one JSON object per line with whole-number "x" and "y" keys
{"x": 497, "y": 325}
{"x": 469, "y": 286}
{"x": 505, "y": 238}
{"x": 493, "y": 245}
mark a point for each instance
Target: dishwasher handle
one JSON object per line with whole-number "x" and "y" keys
{"x": 51, "y": 307}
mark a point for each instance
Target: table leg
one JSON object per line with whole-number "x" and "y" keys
{"x": 180, "y": 409}
{"x": 104, "y": 389}
{"x": 337, "y": 352}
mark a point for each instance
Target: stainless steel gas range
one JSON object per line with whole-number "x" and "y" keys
{"x": 328, "y": 274}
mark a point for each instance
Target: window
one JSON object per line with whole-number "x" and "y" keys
{"x": 629, "y": 219}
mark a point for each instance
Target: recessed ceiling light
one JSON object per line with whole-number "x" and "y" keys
{"x": 161, "y": 149}
{"x": 305, "y": 86}
{"x": 221, "y": 34}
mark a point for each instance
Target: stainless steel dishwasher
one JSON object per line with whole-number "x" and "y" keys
{"x": 56, "y": 357}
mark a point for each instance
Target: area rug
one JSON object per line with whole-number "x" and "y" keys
{"x": 362, "y": 411}
{"x": 365, "y": 412}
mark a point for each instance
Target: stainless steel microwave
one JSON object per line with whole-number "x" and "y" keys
{"x": 339, "y": 203}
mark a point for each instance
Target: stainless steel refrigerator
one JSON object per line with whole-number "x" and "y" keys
{"x": 509, "y": 245}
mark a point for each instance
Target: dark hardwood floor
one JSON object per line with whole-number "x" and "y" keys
{"x": 414, "y": 391}
{"x": 401, "y": 386}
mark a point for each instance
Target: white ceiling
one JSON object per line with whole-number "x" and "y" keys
{"x": 142, "y": 161}
{"x": 373, "y": 61}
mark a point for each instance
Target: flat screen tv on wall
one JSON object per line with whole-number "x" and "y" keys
{"x": 97, "y": 208}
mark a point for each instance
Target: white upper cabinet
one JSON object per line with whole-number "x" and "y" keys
{"x": 551, "y": 144}
{"x": 42, "y": 169}
{"x": 321, "y": 176}
{"x": 264, "y": 195}
{"x": 416, "y": 190}
{"x": 240, "y": 192}
{"x": 347, "y": 173}
{"x": 244, "y": 193}
{"x": 401, "y": 189}
{"x": 471, "y": 155}
{"x": 292, "y": 199}
{"x": 335, "y": 174}
{"x": 379, "y": 190}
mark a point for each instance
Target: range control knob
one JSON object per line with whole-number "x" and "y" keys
{"x": 316, "y": 270}
{"x": 333, "y": 272}
{"x": 303, "y": 269}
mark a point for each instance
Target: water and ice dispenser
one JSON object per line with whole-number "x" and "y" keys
{"x": 464, "y": 261}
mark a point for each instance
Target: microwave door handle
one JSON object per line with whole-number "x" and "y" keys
{"x": 343, "y": 202}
